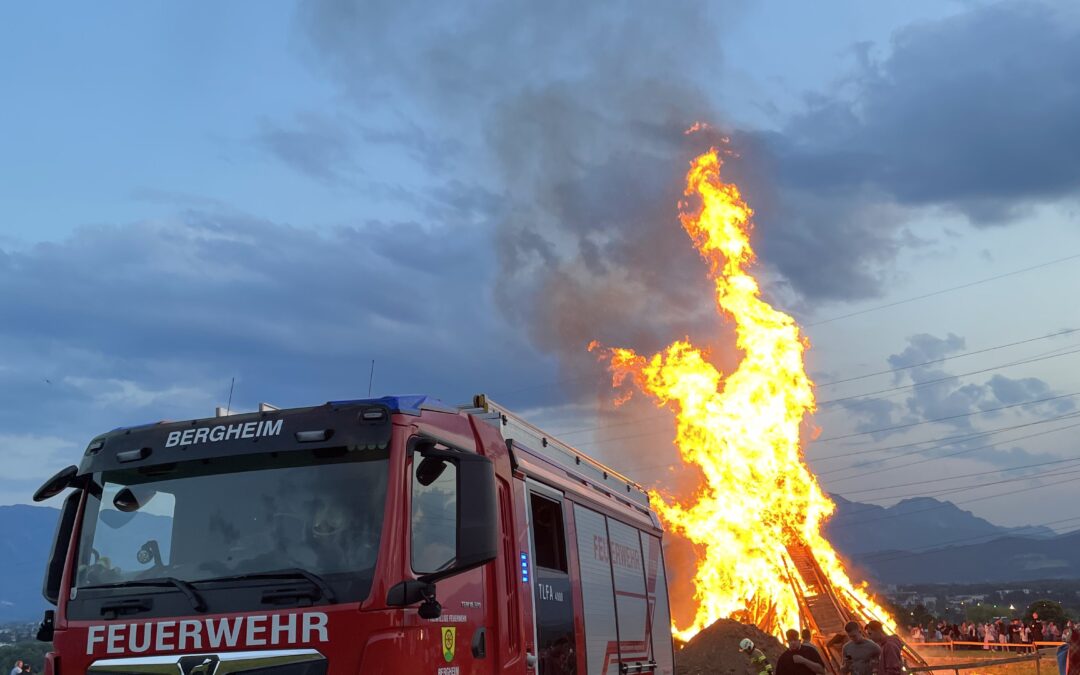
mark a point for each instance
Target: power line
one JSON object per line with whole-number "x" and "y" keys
{"x": 939, "y": 380}
{"x": 951, "y": 440}
{"x": 938, "y": 447}
{"x": 836, "y": 409}
{"x": 944, "y": 440}
{"x": 819, "y": 385}
{"x": 654, "y": 432}
{"x": 940, "y": 419}
{"x": 947, "y": 456}
{"x": 943, "y": 291}
{"x": 919, "y": 451}
{"x": 965, "y": 501}
{"x": 966, "y": 475}
{"x": 571, "y": 432}
{"x": 979, "y": 486}
{"x": 856, "y": 313}
{"x": 883, "y": 556}
{"x": 931, "y": 421}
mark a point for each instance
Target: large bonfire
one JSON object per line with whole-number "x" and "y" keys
{"x": 742, "y": 430}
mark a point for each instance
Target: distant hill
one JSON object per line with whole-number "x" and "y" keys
{"x": 919, "y": 524}
{"x": 876, "y": 539}
{"x": 26, "y": 534}
{"x": 1006, "y": 559}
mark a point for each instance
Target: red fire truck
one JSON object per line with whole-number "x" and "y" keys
{"x": 395, "y": 534}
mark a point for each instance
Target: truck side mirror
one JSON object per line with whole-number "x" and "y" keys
{"x": 63, "y": 479}
{"x": 54, "y": 571}
{"x": 475, "y": 520}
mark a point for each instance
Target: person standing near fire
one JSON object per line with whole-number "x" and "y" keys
{"x": 758, "y": 660}
{"x": 799, "y": 659}
{"x": 891, "y": 661}
{"x": 860, "y": 655}
{"x": 808, "y": 642}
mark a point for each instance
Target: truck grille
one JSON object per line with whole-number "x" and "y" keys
{"x": 274, "y": 662}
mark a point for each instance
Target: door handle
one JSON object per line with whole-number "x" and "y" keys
{"x": 479, "y": 643}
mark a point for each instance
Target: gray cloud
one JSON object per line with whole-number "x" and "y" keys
{"x": 939, "y": 395}
{"x": 126, "y": 324}
{"x": 871, "y": 414}
{"x": 576, "y": 116}
{"x": 975, "y": 113}
{"x": 314, "y": 145}
{"x": 1009, "y": 390}
{"x": 924, "y": 348}
{"x": 961, "y": 405}
{"x": 576, "y": 136}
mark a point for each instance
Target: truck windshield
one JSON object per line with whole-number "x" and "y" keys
{"x": 237, "y": 517}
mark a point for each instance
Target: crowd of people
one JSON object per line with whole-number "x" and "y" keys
{"x": 864, "y": 653}
{"x": 872, "y": 651}
{"x": 1002, "y": 634}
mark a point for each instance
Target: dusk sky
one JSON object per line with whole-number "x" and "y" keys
{"x": 469, "y": 193}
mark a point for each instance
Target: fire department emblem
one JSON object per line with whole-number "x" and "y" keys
{"x": 202, "y": 664}
{"x": 449, "y": 640}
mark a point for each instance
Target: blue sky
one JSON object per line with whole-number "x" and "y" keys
{"x": 280, "y": 192}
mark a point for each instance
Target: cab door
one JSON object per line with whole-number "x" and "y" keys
{"x": 458, "y": 640}
{"x": 552, "y": 596}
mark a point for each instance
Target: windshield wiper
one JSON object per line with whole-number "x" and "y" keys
{"x": 184, "y": 587}
{"x": 288, "y": 573}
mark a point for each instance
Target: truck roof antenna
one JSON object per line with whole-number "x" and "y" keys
{"x": 371, "y": 378}
{"x": 228, "y": 406}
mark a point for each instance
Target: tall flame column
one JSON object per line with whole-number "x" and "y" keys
{"x": 742, "y": 430}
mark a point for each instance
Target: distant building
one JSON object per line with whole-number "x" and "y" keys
{"x": 955, "y": 600}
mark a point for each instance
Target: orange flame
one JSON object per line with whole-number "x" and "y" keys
{"x": 742, "y": 430}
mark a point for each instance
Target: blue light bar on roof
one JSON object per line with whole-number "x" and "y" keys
{"x": 409, "y": 405}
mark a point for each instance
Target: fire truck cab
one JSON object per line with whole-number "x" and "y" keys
{"x": 396, "y": 534}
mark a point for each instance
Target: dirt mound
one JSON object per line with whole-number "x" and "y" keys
{"x": 716, "y": 650}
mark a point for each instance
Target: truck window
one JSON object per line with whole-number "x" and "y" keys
{"x": 548, "y": 533}
{"x": 552, "y": 590}
{"x": 434, "y": 517}
{"x": 237, "y": 516}
{"x": 119, "y": 542}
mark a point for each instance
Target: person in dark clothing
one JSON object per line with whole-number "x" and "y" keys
{"x": 1014, "y": 632}
{"x": 891, "y": 660}
{"x": 799, "y": 659}
{"x": 807, "y": 642}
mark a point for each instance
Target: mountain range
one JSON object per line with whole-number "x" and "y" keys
{"x": 916, "y": 524}
{"x": 26, "y": 534}
{"x": 919, "y": 540}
